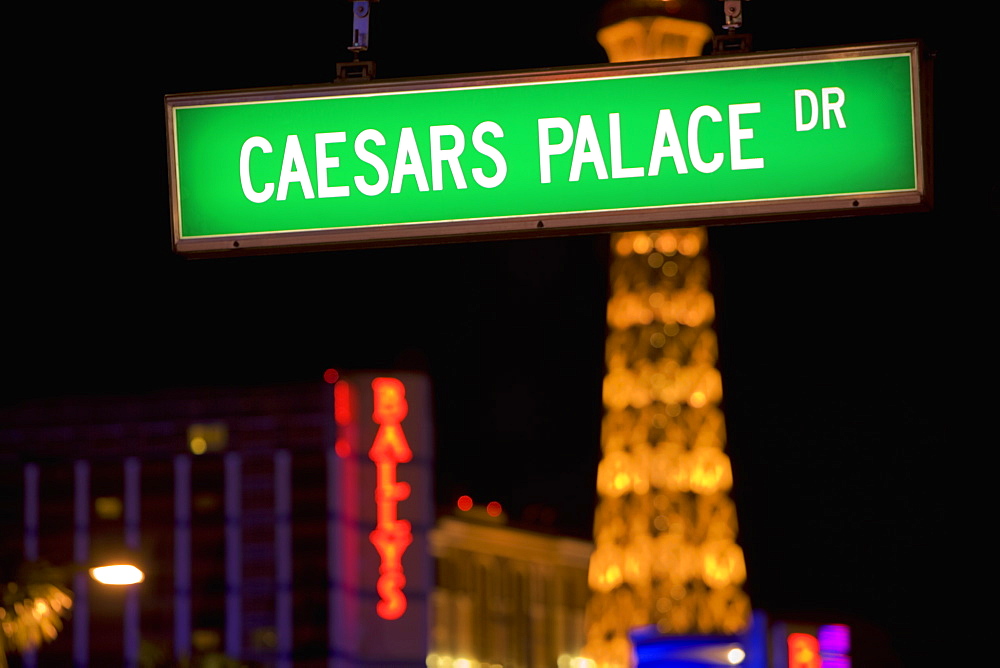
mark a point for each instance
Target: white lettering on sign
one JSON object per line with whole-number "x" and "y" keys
{"x": 557, "y": 135}
{"x": 617, "y": 171}
{"x": 408, "y": 163}
{"x": 372, "y": 159}
{"x": 441, "y": 155}
{"x": 738, "y": 134}
{"x": 666, "y": 144}
{"x": 478, "y": 143}
{"x": 248, "y": 189}
{"x": 833, "y": 102}
{"x": 589, "y": 150}
{"x": 293, "y": 170}
{"x": 694, "y": 150}
{"x": 324, "y": 163}
{"x": 447, "y": 146}
{"x": 546, "y": 149}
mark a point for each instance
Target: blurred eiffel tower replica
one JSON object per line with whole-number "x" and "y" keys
{"x": 665, "y": 527}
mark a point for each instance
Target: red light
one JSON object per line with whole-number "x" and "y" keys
{"x": 343, "y": 403}
{"x": 343, "y": 414}
{"x": 390, "y": 401}
{"x": 331, "y": 376}
{"x": 465, "y": 502}
{"x": 343, "y": 448}
{"x": 803, "y": 651}
{"x": 392, "y": 535}
{"x": 493, "y": 509}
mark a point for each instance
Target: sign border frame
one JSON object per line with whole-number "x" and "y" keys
{"x": 578, "y": 222}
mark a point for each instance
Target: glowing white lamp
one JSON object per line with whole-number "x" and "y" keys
{"x": 117, "y": 574}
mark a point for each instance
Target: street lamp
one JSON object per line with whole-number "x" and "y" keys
{"x": 117, "y": 574}
{"x": 33, "y": 606}
{"x": 113, "y": 563}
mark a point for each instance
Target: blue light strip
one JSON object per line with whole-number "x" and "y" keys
{"x": 132, "y": 511}
{"x": 234, "y": 562}
{"x": 28, "y": 657}
{"x": 283, "y": 557}
{"x": 182, "y": 556}
{"x": 81, "y": 554}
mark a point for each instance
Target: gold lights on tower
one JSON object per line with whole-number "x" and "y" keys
{"x": 665, "y": 527}
{"x": 653, "y": 29}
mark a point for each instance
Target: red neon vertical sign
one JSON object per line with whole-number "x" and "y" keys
{"x": 343, "y": 414}
{"x": 803, "y": 651}
{"x": 391, "y": 536}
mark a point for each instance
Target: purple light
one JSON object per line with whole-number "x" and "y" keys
{"x": 834, "y": 639}
{"x": 836, "y": 662}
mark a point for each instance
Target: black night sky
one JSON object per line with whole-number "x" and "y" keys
{"x": 841, "y": 340}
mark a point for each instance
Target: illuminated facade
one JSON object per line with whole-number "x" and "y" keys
{"x": 279, "y": 526}
{"x": 506, "y": 597}
{"x": 665, "y": 527}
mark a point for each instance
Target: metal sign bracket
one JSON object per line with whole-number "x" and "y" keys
{"x": 732, "y": 42}
{"x": 358, "y": 70}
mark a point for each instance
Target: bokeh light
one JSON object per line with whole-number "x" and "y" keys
{"x": 117, "y": 574}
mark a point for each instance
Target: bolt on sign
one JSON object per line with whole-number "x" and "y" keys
{"x": 719, "y": 139}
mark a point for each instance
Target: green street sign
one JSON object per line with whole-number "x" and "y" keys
{"x": 697, "y": 141}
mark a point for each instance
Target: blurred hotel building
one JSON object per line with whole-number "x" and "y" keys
{"x": 506, "y": 596}
{"x": 251, "y": 511}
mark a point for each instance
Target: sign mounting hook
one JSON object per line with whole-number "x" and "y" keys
{"x": 357, "y": 69}
{"x": 732, "y": 41}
